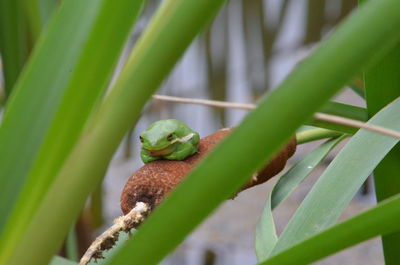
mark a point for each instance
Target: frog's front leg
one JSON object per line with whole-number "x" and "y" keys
{"x": 184, "y": 150}
{"x": 146, "y": 157}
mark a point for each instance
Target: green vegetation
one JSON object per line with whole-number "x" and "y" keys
{"x": 63, "y": 121}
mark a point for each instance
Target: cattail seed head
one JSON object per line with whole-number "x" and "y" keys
{"x": 153, "y": 181}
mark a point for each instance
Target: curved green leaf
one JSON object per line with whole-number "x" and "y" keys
{"x": 383, "y": 219}
{"x": 290, "y": 180}
{"x": 154, "y": 55}
{"x": 265, "y": 237}
{"x": 348, "y": 171}
{"x": 37, "y": 94}
{"x": 83, "y": 91}
{"x": 61, "y": 104}
{"x": 382, "y": 85}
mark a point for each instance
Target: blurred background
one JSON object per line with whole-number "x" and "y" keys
{"x": 249, "y": 48}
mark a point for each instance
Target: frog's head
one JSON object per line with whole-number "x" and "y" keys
{"x": 163, "y": 137}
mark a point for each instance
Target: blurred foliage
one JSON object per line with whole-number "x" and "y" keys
{"x": 258, "y": 38}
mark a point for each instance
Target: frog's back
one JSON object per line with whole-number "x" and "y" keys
{"x": 180, "y": 128}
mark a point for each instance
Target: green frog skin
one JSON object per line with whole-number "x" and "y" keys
{"x": 168, "y": 139}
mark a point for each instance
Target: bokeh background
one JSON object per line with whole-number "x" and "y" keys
{"x": 249, "y": 48}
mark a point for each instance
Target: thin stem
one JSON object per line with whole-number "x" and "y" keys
{"x": 315, "y": 134}
{"x": 356, "y": 124}
{"x": 109, "y": 237}
{"x": 317, "y": 115}
{"x": 206, "y": 102}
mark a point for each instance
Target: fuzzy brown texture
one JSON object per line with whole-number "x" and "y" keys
{"x": 153, "y": 181}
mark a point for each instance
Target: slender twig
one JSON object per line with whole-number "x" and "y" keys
{"x": 109, "y": 237}
{"x": 356, "y": 124}
{"x": 206, "y": 102}
{"x": 317, "y": 116}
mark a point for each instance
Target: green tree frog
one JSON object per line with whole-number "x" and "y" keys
{"x": 168, "y": 139}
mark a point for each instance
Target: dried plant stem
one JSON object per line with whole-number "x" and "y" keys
{"x": 206, "y": 102}
{"x": 317, "y": 116}
{"x": 356, "y": 124}
{"x": 108, "y": 238}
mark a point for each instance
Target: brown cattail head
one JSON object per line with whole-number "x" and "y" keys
{"x": 153, "y": 181}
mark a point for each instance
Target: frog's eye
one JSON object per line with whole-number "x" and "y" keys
{"x": 170, "y": 137}
{"x": 141, "y": 139}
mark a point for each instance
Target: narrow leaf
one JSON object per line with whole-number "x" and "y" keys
{"x": 154, "y": 56}
{"x": 265, "y": 237}
{"x": 380, "y": 220}
{"x": 290, "y": 180}
{"x": 343, "y": 110}
{"x": 348, "y": 171}
{"x": 96, "y": 51}
{"x": 382, "y": 85}
{"x": 37, "y": 94}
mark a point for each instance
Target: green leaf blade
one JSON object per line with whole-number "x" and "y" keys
{"x": 343, "y": 110}
{"x": 78, "y": 92}
{"x": 290, "y": 180}
{"x": 380, "y": 220}
{"x": 57, "y": 213}
{"x": 382, "y": 84}
{"x": 323, "y": 205}
{"x": 37, "y": 94}
{"x": 265, "y": 236}
{"x": 83, "y": 91}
